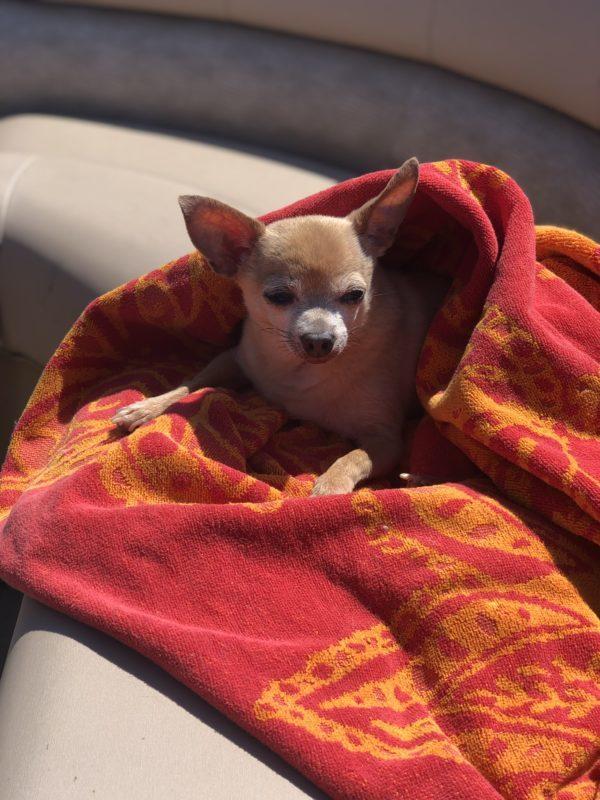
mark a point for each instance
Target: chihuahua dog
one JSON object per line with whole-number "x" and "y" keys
{"x": 330, "y": 335}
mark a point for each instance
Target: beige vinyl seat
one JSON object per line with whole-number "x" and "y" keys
{"x": 86, "y": 207}
{"x": 312, "y": 93}
{"x": 82, "y": 716}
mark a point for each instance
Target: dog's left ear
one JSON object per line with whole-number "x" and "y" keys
{"x": 224, "y": 235}
{"x": 378, "y": 220}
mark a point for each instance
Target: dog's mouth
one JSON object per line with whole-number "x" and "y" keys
{"x": 306, "y": 358}
{"x": 319, "y": 360}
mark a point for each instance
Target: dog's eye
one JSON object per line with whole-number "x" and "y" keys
{"x": 281, "y": 298}
{"x": 353, "y": 297}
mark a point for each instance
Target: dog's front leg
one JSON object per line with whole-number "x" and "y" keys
{"x": 223, "y": 371}
{"x": 376, "y": 456}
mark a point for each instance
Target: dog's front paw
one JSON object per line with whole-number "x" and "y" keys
{"x": 132, "y": 416}
{"x": 331, "y": 484}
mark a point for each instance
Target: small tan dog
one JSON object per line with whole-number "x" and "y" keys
{"x": 330, "y": 335}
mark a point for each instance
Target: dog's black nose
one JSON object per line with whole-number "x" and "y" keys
{"x": 317, "y": 345}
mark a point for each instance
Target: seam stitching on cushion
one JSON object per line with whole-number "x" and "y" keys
{"x": 16, "y": 176}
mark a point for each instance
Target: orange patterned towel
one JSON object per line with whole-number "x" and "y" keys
{"x": 435, "y": 642}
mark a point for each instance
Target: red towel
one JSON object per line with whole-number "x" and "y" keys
{"x": 436, "y": 642}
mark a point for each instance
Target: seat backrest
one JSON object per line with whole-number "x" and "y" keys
{"x": 547, "y": 51}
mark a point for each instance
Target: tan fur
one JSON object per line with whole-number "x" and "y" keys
{"x": 364, "y": 388}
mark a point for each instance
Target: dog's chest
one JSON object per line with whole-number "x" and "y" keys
{"x": 341, "y": 400}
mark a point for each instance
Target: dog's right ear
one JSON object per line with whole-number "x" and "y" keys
{"x": 222, "y": 233}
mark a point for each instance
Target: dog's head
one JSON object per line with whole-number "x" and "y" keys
{"x": 305, "y": 280}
